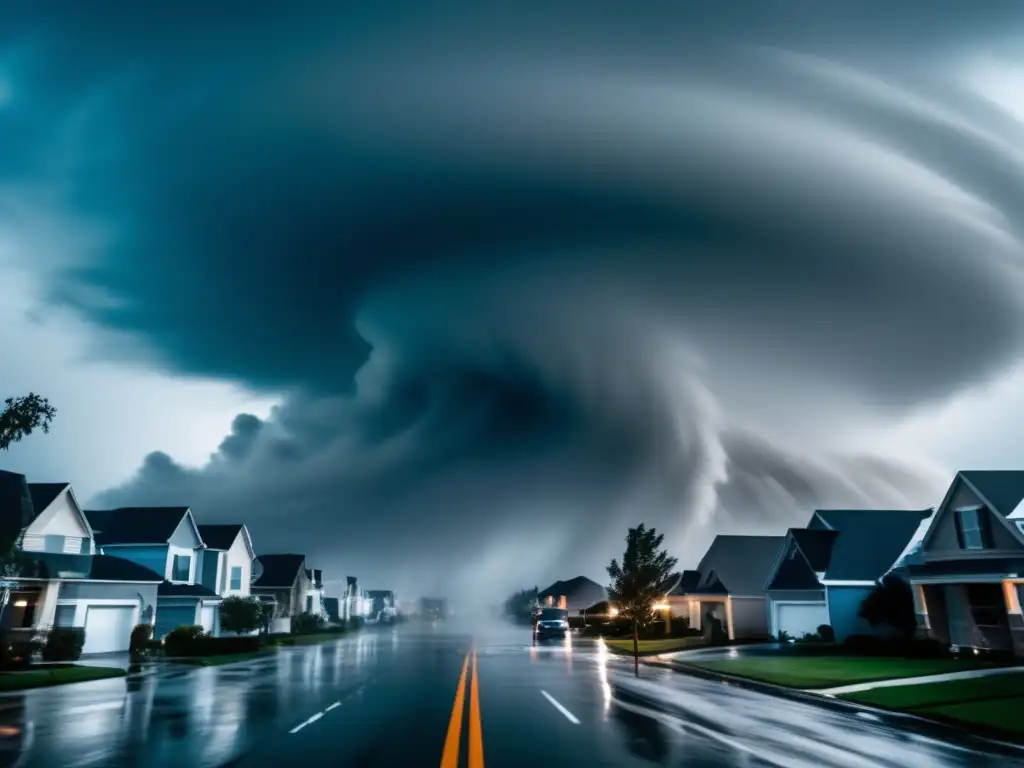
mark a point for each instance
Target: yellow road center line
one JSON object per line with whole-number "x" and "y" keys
{"x": 476, "y": 738}
{"x": 450, "y": 756}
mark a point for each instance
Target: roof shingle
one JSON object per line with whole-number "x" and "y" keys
{"x": 279, "y": 571}
{"x": 135, "y": 525}
{"x": 740, "y": 564}
{"x": 219, "y": 536}
{"x": 868, "y": 541}
{"x": 1003, "y": 489}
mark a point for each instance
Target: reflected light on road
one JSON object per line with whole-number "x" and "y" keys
{"x": 602, "y": 675}
{"x": 733, "y": 653}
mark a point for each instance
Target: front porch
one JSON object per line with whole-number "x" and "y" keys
{"x": 31, "y": 606}
{"x": 983, "y": 614}
{"x": 701, "y": 611}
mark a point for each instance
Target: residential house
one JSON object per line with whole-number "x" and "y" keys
{"x": 356, "y": 603}
{"x": 574, "y": 595}
{"x": 225, "y": 566}
{"x": 728, "y": 587}
{"x": 281, "y": 581}
{"x": 62, "y": 580}
{"x": 315, "y": 593}
{"x": 382, "y": 604}
{"x": 824, "y": 571}
{"x": 165, "y": 540}
{"x": 968, "y": 581}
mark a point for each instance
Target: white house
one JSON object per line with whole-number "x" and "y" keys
{"x": 64, "y": 582}
{"x": 226, "y": 563}
{"x": 166, "y": 540}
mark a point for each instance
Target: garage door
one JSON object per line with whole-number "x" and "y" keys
{"x": 209, "y": 618}
{"x": 108, "y": 629}
{"x": 172, "y": 617}
{"x": 799, "y": 619}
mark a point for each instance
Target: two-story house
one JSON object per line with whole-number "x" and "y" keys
{"x": 165, "y": 540}
{"x": 282, "y": 581}
{"x": 59, "y": 579}
{"x": 226, "y": 563}
{"x": 968, "y": 576}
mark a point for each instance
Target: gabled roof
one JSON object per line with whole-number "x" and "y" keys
{"x": 688, "y": 581}
{"x": 815, "y": 546}
{"x": 279, "y": 571}
{"x": 44, "y": 494}
{"x": 738, "y": 565}
{"x": 868, "y": 541}
{"x": 1003, "y": 490}
{"x": 570, "y": 588}
{"x": 220, "y": 536}
{"x": 136, "y": 525}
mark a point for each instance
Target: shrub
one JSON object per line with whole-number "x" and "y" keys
{"x": 306, "y": 623}
{"x": 182, "y": 641}
{"x": 16, "y": 651}
{"x": 142, "y": 635}
{"x": 64, "y": 644}
{"x": 241, "y": 614}
{"x": 826, "y": 633}
{"x": 784, "y": 636}
{"x": 871, "y": 645}
{"x": 355, "y": 622}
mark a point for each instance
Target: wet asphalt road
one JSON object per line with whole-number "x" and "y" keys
{"x": 386, "y": 697}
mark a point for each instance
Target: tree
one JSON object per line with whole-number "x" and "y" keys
{"x": 22, "y": 415}
{"x": 892, "y": 603}
{"x": 241, "y": 615}
{"x": 519, "y": 605}
{"x": 641, "y": 581}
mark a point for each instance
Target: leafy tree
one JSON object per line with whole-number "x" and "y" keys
{"x": 519, "y": 605}
{"x": 891, "y": 603}
{"x": 642, "y": 580}
{"x": 22, "y": 415}
{"x": 241, "y": 615}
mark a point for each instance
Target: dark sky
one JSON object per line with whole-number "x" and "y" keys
{"x": 521, "y": 279}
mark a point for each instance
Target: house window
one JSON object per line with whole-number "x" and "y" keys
{"x": 309, "y": 604}
{"x": 236, "y": 577}
{"x": 972, "y": 528}
{"x": 182, "y": 566}
{"x": 65, "y": 616}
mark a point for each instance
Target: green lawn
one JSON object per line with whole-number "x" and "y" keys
{"x": 995, "y": 701}
{"x": 662, "y": 645}
{"x": 46, "y": 676}
{"x": 828, "y": 671}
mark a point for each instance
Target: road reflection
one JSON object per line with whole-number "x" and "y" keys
{"x": 177, "y": 716}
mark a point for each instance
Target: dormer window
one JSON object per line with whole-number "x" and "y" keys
{"x": 972, "y": 528}
{"x": 181, "y": 568}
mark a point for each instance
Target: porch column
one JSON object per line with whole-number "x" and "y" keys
{"x": 921, "y": 610}
{"x": 47, "y": 610}
{"x": 1015, "y": 616}
{"x": 695, "y": 617}
{"x": 728, "y": 617}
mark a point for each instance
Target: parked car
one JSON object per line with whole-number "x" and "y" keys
{"x": 551, "y": 622}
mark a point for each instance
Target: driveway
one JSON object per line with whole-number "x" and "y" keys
{"x": 387, "y": 697}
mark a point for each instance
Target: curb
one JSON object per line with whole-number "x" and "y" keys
{"x": 991, "y": 739}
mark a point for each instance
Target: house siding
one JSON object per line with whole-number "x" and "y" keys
{"x": 788, "y": 595}
{"x": 152, "y": 557}
{"x": 944, "y": 539}
{"x": 238, "y": 557}
{"x": 843, "y": 606}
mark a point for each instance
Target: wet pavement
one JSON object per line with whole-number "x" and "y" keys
{"x": 385, "y": 698}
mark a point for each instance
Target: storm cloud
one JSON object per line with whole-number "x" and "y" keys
{"x": 521, "y": 279}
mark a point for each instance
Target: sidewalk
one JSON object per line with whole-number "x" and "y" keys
{"x": 899, "y": 682}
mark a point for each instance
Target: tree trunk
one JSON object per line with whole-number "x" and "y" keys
{"x": 636, "y": 649}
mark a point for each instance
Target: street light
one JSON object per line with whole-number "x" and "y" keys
{"x": 613, "y": 612}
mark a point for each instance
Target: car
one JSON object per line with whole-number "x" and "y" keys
{"x": 551, "y": 622}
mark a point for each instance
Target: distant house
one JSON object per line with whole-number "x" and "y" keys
{"x": 314, "y": 601}
{"x": 728, "y": 586}
{"x": 282, "y": 581}
{"x": 826, "y": 569}
{"x": 574, "y": 595}
{"x": 165, "y": 540}
{"x": 968, "y": 578}
{"x": 65, "y": 581}
{"x": 226, "y": 563}
{"x": 382, "y": 604}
